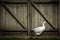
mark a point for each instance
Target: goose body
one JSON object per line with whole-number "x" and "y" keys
{"x": 40, "y": 29}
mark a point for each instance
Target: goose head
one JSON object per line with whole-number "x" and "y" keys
{"x": 44, "y": 22}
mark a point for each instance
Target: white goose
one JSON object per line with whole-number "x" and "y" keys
{"x": 39, "y": 30}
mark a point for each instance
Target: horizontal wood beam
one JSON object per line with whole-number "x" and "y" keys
{"x": 42, "y": 15}
{"x": 6, "y": 2}
{"x": 26, "y": 31}
{"x": 24, "y": 2}
{"x": 51, "y": 2}
{"x": 12, "y": 15}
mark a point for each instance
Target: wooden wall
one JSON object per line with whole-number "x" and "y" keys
{"x": 20, "y": 12}
{"x": 50, "y": 13}
{"x": 59, "y": 18}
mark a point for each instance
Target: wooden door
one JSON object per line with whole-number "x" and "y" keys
{"x": 22, "y": 17}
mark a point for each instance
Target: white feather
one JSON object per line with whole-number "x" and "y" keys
{"x": 39, "y": 30}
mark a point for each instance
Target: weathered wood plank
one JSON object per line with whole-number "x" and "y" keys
{"x": 13, "y": 16}
{"x": 42, "y": 15}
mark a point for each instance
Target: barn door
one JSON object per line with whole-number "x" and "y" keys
{"x": 14, "y": 18}
{"x": 44, "y": 11}
{"x": 23, "y": 16}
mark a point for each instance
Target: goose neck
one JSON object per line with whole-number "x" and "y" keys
{"x": 43, "y": 25}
